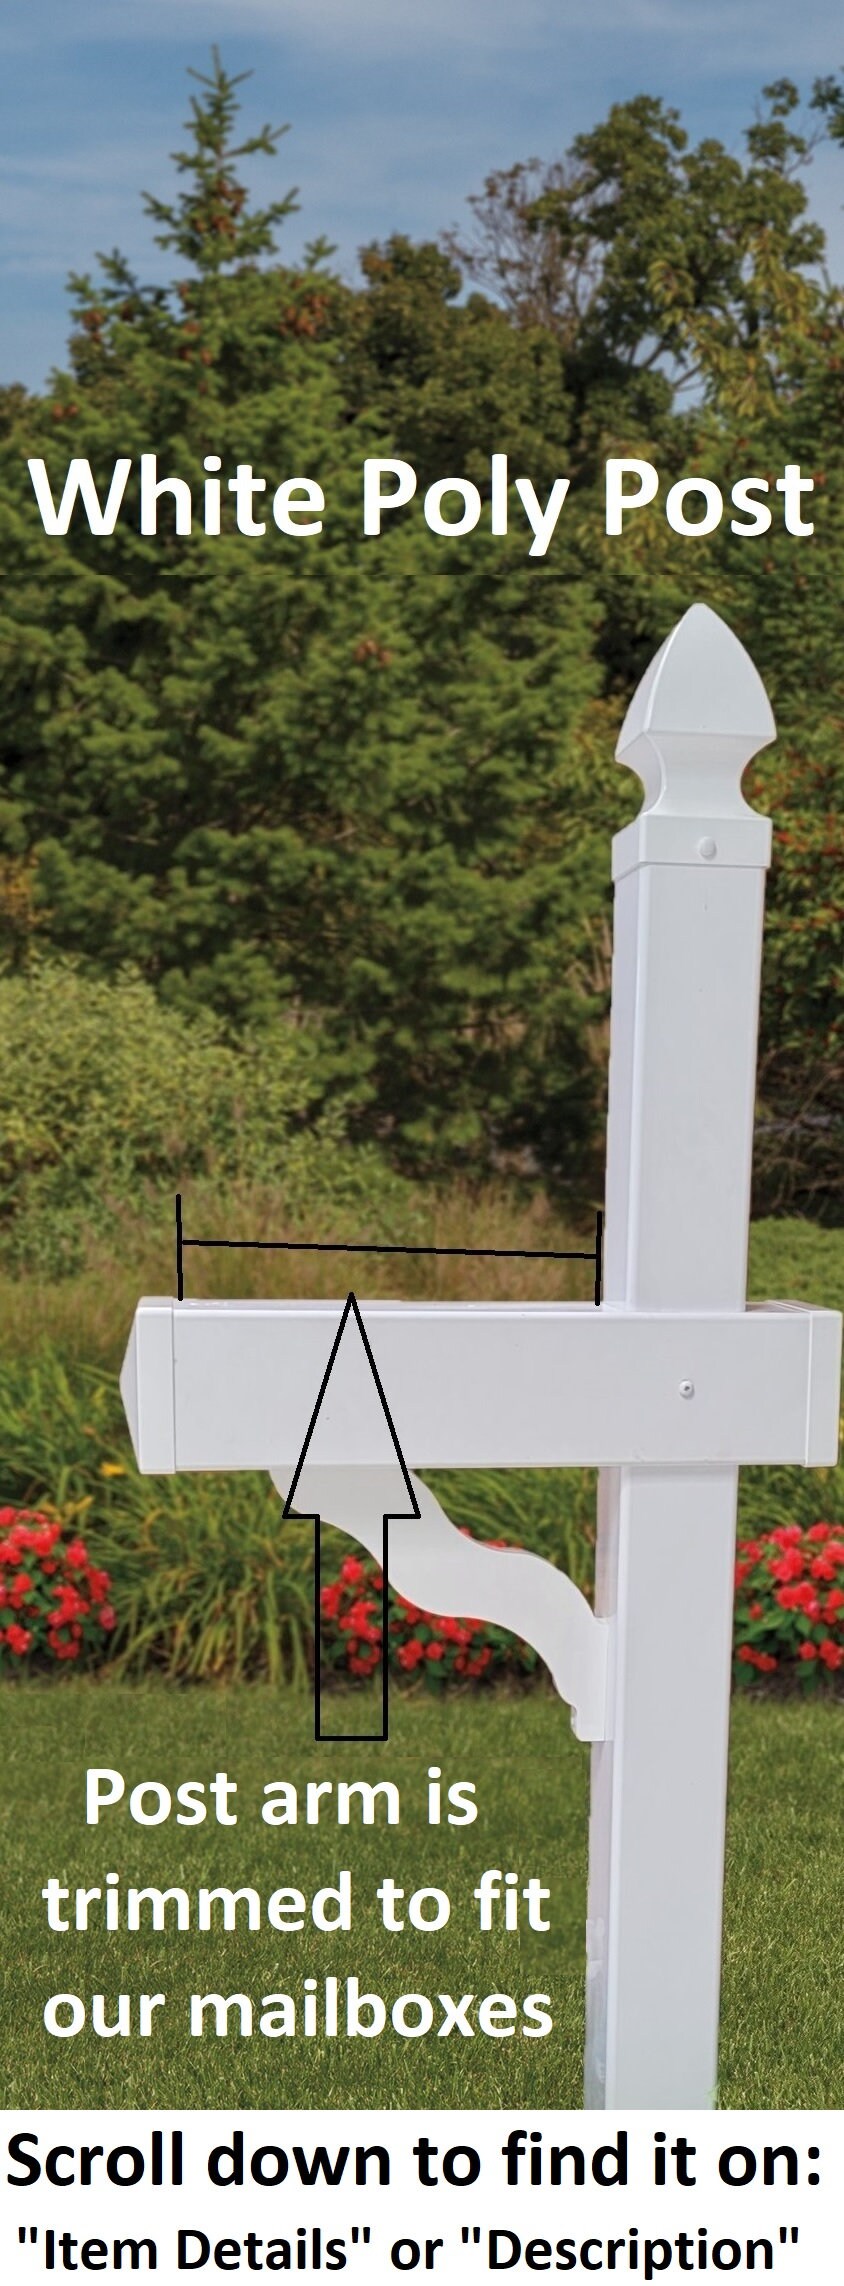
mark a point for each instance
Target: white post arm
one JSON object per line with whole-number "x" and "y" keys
{"x": 230, "y": 1385}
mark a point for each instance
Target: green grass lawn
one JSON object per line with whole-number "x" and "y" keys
{"x": 781, "y": 2041}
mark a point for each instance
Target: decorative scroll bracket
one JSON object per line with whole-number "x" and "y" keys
{"x": 442, "y": 1569}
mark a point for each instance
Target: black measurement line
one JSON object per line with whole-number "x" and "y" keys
{"x": 180, "y": 1267}
{"x": 361, "y": 1246}
{"x": 373, "y": 1247}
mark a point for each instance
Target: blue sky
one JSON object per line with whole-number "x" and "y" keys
{"x": 398, "y": 108}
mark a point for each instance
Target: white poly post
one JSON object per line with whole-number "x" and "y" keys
{"x": 689, "y": 875}
{"x": 668, "y": 1387}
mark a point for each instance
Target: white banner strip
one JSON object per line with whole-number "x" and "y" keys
{"x": 458, "y": 2196}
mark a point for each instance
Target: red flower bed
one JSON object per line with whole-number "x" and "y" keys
{"x": 435, "y": 1650}
{"x": 53, "y": 1599}
{"x": 790, "y": 1603}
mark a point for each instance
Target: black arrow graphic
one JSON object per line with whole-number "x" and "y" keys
{"x": 366, "y": 1737}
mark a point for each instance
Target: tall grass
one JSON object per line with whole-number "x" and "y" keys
{"x": 87, "y": 1316}
{"x": 206, "y": 1581}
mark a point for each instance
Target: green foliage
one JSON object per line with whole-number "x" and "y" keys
{"x": 209, "y": 226}
{"x": 109, "y": 1099}
{"x": 204, "y": 1580}
{"x": 796, "y": 1261}
{"x": 317, "y": 777}
{"x": 652, "y": 262}
{"x": 212, "y": 1588}
{"x": 368, "y": 786}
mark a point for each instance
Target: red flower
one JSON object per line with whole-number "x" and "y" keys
{"x": 363, "y": 1662}
{"x": 831, "y": 1653}
{"x": 435, "y": 1651}
{"x": 818, "y": 1532}
{"x": 807, "y": 1651}
{"x": 457, "y": 1631}
{"x": 76, "y": 1554}
{"x": 763, "y": 1660}
{"x": 358, "y": 1617}
{"x": 351, "y": 1571}
{"x": 44, "y": 1541}
{"x": 71, "y": 1605}
{"x": 107, "y": 1617}
{"x": 18, "y": 1638}
{"x": 821, "y": 1568}
{"x": 787, "y": 1567}
{"x": 803, "y": 1598}
{"x": 411, "y": 1610}
{"x": 409, "y": 1654}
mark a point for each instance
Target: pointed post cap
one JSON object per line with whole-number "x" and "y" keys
{"x": 698, "y": 716}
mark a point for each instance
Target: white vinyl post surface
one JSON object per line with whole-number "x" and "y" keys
{"x": 689, "y": 875}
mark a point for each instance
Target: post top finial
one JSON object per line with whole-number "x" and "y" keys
{"x": 699, "y": 714}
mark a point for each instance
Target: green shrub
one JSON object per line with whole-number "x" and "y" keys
{"x": 54, "y": 1602}
{"x": 108, "y": 1098}
{"x": 206, "y": 1581}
